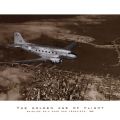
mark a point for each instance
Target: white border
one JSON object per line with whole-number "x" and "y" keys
{"x": 9, "y": 111}
{"x": 59, "y": 7}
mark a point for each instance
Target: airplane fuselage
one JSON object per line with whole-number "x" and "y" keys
{"x": 47, "y": 53}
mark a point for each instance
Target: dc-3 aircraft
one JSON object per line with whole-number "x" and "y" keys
{"x": 54, "y": 55}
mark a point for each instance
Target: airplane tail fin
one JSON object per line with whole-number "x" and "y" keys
{"x": 71, "y": 46}
{"x": 18, "y": 39}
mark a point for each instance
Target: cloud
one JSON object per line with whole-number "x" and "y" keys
{"x": 34, "y": 30}
{"x": 11, "y": 79}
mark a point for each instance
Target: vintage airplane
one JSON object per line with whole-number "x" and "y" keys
{"x": 54, "y": 55}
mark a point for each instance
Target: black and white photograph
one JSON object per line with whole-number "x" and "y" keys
{"x": 60, "y": 57}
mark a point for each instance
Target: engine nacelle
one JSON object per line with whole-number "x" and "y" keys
{"x": 56, "y": 60}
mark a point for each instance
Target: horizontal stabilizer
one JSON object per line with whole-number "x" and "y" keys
{"x": 23, "y": 61}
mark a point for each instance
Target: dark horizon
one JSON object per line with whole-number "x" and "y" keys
{"x": 17, "y": 18}
{"x": 24, "y": 18}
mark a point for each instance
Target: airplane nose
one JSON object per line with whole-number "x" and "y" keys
{"x": 73, "y": 56}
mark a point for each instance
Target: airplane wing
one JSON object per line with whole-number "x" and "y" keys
{"x": 71, "y": 46}
{"x": 24, "y": 61}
